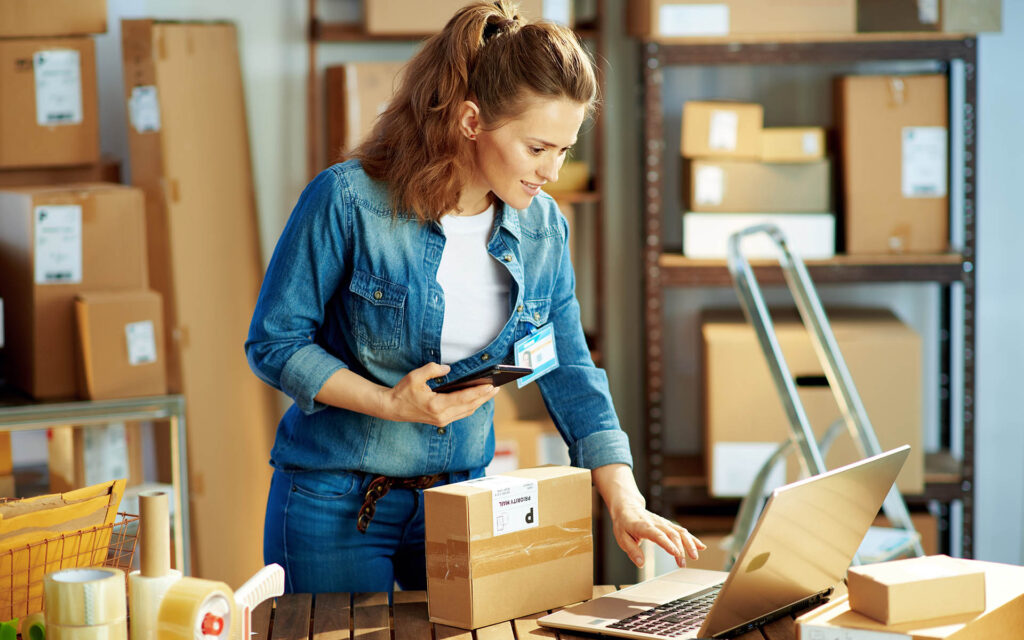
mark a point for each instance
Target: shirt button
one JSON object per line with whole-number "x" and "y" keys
{"x": 536, "y": 315}
{"x": 519, "y": 309}
{"x": 507, "y": 257}
{"x": 485, "y": 357}
{"x": 377, "y": 295}
{"x": 441, "y": 431}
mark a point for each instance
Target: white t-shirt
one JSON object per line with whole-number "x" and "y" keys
{"x": 475, "y": 285}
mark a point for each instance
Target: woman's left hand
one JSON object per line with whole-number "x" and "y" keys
{"x": 632, "y": 522}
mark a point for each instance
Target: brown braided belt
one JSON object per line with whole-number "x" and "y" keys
{"x": 379, "y": 488}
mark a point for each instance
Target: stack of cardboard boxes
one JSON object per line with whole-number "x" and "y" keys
{"x": 524, "y": 434}
{"x": 737, "y": 173}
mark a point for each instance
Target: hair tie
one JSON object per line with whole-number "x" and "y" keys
{"x": 494, "y": 28}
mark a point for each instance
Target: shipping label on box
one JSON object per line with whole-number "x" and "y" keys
{"x": 483, "y": 568}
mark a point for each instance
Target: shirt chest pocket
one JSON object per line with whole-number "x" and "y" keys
{"x": 376, "y": 310}
{"x": 532, "y": 315}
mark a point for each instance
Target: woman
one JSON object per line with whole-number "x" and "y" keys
{"x": 436, "y": 244}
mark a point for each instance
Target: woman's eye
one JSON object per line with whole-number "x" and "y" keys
{"x": 536, "y": 150}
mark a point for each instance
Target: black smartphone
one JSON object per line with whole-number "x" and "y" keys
{"x": 497, "y": 375}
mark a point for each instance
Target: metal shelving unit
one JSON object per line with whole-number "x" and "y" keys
{"x": 674, "y": 482}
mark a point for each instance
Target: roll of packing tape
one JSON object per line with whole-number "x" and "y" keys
{"x": 144, "y": 597}
{"x": 84, "y": 597}
{"x": 112, "y": 631}
{"x": 33, "y": 627}
{"x": 194, "y": 609}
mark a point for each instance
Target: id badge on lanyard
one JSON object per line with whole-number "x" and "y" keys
{"x": 537, "y": 351}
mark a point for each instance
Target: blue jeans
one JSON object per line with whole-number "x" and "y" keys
{"x": 310, "y": 530}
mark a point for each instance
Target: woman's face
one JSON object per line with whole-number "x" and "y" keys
{"x": 518, "y": 157}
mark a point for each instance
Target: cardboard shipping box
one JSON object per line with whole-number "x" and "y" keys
{"x": 738, "y": 186}
{"x": 812, "y": 236}
{"x": 189, "y": 143}
{"x": 951, "y": 16}
{"x": 916, "y": 589}
{"x": 1003, "y": 616}
{"x": 357, "y": 93}
{"x": 34, "y": 18}
{"x": 418, "y": 18}
{"x": 894, "y": 146}
{"x": 49, "y": 115}
{"x": 743, "y": 416}
{"x": 56, "y": 242}
{"x": 120, "y": 345}
{"x": 722, "y": 130}
{"x": 507, "y": 546}
{"x": 682, "y": 19}
{"x": 792, "y": 144}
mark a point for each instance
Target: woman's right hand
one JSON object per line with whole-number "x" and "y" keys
{"x": 412, "y": 400}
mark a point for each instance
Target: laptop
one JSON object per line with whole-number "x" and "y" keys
{"x": 801, "y": 547}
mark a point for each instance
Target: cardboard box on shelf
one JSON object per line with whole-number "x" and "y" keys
{"x": 56, "y": 242}
{"x": 357, "y": 92}
{"x": 669, "y": 20}
{"x": 524, "y": 434}
{"x": 507, "y": 546}
{"x": 916, "y": 589}
{"x": 743, "y": 416}
{"x": 1003, "y": 616}
{"x": 189, "y": 143}
{"x": 50, "y": 105}
{"x": 108, "y": 169}
{"x": 738, "y": 186}
{"x": 811, "y": 236}
{"x": 416, "y": 18}
{"x": 35, "y": 18}
{"x": 951, "y": 16}
{"x": 792, "y": 144}
{"x": 894, "y": 140}
{"x": 120, "y": 345}
{"x": 722, "y": 130}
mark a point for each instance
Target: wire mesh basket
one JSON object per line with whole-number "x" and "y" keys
{"x": 22, "y": 568}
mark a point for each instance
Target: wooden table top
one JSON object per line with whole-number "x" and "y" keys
{"x": 367, "y": 616}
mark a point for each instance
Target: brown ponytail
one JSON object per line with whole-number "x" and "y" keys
{"x": 486, "y": 52}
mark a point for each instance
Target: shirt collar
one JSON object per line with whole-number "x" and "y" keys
{"x": 509, "y": 219}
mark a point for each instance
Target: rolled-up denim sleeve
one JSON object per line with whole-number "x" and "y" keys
{"x": 576, "y": 393}
{"x": 303, "y": 274}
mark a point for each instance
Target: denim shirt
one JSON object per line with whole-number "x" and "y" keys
{"x": 351, "y": 284}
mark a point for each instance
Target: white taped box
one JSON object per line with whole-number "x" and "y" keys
{"x": 809, "y": 235}
{"x": 1003, "y": 616}
{"x": 506, "y": 546}
{"x": 679, "y": 20}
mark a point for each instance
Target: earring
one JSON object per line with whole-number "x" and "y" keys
{"x": 472, "y": 136}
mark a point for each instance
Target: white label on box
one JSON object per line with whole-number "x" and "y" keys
{"x": 924, "y": 162}
{"x": 709, "y": 185}
{"x": 928, "y": 11}
{"x": 141, "y": 342}
{"x": 722, "y": 133}
{"x": 735, "y": 465}
{"x": 811, "y": 631}
{"x": 810, "y": 144}
{"x": 144, "y": 109}
{"x": 559, "y": 11}
{"x": 58, "y": 258}
{"x": 58, "y": 74}
{"x": 551, "y": 449}
{"x": 513, "y": 502}
{"x": 690, "y": 20}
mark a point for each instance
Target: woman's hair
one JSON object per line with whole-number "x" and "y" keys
{"x": 486, "y": 53}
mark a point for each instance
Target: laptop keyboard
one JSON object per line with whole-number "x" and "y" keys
{"x": 671, "y": 619}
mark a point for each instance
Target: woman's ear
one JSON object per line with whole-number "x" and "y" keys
{"x": 469, "y": 119}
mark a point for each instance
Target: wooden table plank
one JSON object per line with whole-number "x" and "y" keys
{"x": 291, "y": 617}
{"x": 261, "y": 620}
{"x": 410, "y": 621}
{"x": 371, "y": 619}
{"x": 500, "y": 631}
{"x": 332, "y": 617}
{"x": 527, "y": 627}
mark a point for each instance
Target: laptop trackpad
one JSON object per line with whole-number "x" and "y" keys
{"x": 643, "y": 596}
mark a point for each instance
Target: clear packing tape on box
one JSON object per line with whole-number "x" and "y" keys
{"x": 458, "y": 559}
